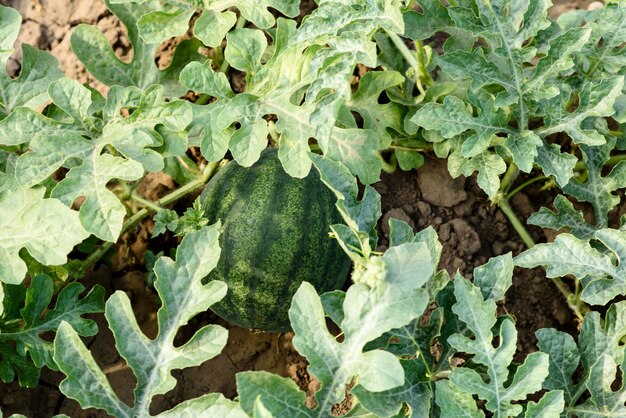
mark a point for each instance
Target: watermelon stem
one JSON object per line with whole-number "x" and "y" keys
{"x": 208, "y": 172}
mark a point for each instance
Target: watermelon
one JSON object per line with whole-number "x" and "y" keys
{"x": 275, "y": 235}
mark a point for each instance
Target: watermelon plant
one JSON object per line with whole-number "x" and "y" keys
{"x": 312, "y": 102}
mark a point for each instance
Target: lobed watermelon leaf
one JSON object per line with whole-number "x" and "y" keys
{"x": 25, "y": 327}
{"x": 603, "y": 278}
{"x": 38, "y": 68}
{"x": 108, "y": 145}
{"x": 94, "y": 51}
{"x": 599, "y": 353}
{"x": 304, "y": 81}
{"x": 45, "y": 227}
{"x": 179, "y": 285}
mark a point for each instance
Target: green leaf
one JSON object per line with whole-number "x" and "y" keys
{"x": 156, "y": 26}
{"x": 604, "y": 54}
{"x": 415, "y": 393}
{"x": 505, "y": 30}
{"x": 555, "y": 163}
{"x": 594, "y": 100}
{"x": 452, "y": 118}
{"x": 523, "y": 148}
{"x": 382, "y": 118}
{"x": 389, "y": 294}
{"x": 480, "y": 317}
{"x": 279, "y": 395}
{"x": 35, "y": 319}
{"x": 38, "y": 69}
{"x": 86, "y": 134}
{"x": 489, "y": 167}
{"x": 454, "y": 402}
{"x": 434, "y": 18}
{"x": 359, "y": 237}
{"x": 96, "y": 53}
{"x": 45, "y": 227}
{"x": 180, "y": 288}
{"x": 598, "y": 354}
{"x": 305, "y": 84}
{"x": 570, "y": 255}
{"x": 564, "y": 217}
{"x": 598, "y": 189}
{"x": 551, "y": 405}
{"x": 495, "y": 277}
{"x": 245, "y": 48}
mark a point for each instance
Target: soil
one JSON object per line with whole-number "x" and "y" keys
{"x": 469, "y": 227}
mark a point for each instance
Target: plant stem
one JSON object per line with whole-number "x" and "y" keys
{"x": 203, "y": 99}
{"x": 509, "y": 177}
{"x": 517, "y": 224}
{"x": 146, "y": 203}
{"x": 400, "y": 147}
{"x": 177, "y": 194}
{"x": 409, "y": 57}
{"x": 524, "y": 185}
{"x": 423, "y": 71}
{"x": 616, "y": 159}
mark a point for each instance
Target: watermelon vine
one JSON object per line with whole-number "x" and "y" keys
{"x": 291, "y": 116}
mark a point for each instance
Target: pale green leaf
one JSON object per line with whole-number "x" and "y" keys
{"x": 245, "y": 48}
{"x": 523, "y": 148}
{"x": 551, "y": 405}
{"x": 569, "y": 255}
{"x": 599, "y": 353}
{"x": 85, "y": 135}
{"x": 489, "y": 167}
{"x": 453, "y": 118}
{"x": 555, "y": 163}
{"x": 96, "y": 53}
{"x": 594, "y": 100}
{"x": 598, "y": 189}
{"x": 565, "y": 216}
{"x": 38, "y": 68}
{"x": 85, "y": 381}
{"x": 182, "y": 294}
{"x": 455, "y": 402}
{"x": 393, "y": 298}
{"x": 480, "y": 317}
{"x": 605, "y": 52}
{"x": 279, "y": 395}
{"x": 210, "y": 405}
{"x": 495, "y": 277}
{"x": 45, "y": 227}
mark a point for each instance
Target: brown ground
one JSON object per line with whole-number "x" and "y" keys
{"x": 470, "y": 229}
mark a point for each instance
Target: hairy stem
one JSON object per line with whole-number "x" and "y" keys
{"x": 409, "y": 57}
{"x": 146, "y": 203}
{"x": 524, "y": 185}
{"x": 509, "y": 177}
{"x": 177, "y": 194}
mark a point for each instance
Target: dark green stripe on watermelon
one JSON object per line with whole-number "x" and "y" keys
{"x": 274, "y": 236}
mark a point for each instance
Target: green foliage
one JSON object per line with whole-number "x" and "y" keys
{"x": 83, "y": 128}
{"x": 180, "y": 288}
{"x": 25, "y": 318}
{"x": 304, "y": 81}
{"x": 38, "y": 69}
{"x": 192, "y": 220}
{"x": 599, "y": 272}
{"x": 521, "y": 72}
{"x": 92, "y": 48}
{"x": 52, "y": 229}
{"x": 599, "y": 353}
{"x": 510, "y": 89}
